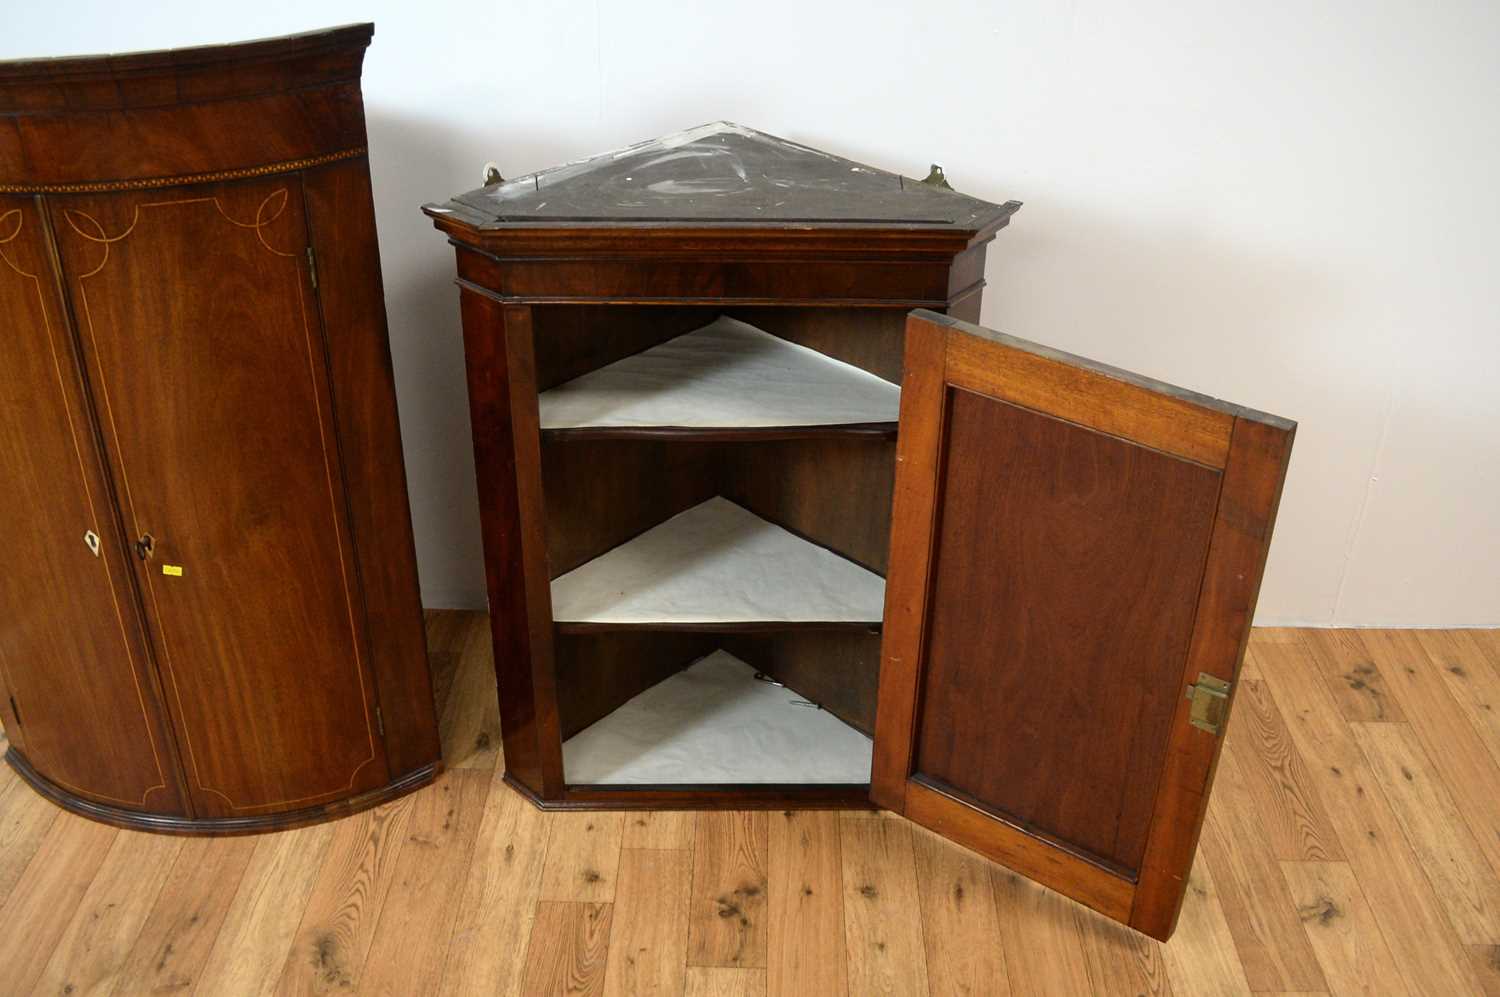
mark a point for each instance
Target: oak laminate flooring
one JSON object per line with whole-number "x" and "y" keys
{"x": 339, "y": 922}
{"x": 805, "y": 882}
{"x": 1447, "y": 852}
{"x": 25, "y": 820}
{"x": 250, "y": 949}
{"x": 89, "y": 956}
{"x": 882, "y": 915}
{"x": 1456, "y": 749}
{"x": 1353, "y": 678}
{"x": 583, "y": 856}
{"x": 717, "y": 981}
{"x": 1268, "y": 937}
{"x": 494, "y": 922}
{"x": 466, "y": 910}
{"x": 660, "y": 829}
{"x": 1039, "y": 932}
{"x": 41, "y": 906}
{"x": 168, "y": 955}
{"x": 960, "y": 923}
{"x": 1411, "y": 917}
{"x": 648, "y": 938}
{"x": 1273, "y": 792}
{"x": 727, "y": 924}
{"x": 573, "y": 946}
{"x": 409, "y": 952}
{"x": 1342, "y": 929}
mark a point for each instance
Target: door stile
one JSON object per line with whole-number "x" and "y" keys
{"x": 913, "y": 526}
{"x": 1249, "y": 496}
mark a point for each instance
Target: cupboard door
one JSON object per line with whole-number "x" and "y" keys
{"x": 201, "y": 331}
{"x": 76, "y": 690}
{"x": 1076, "y": 554}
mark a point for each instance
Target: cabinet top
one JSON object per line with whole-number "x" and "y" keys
{"x": 182, "y": 75}
{"x": 720, "y": 175}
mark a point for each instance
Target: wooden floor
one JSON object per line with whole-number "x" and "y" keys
{"x": 1353, "y": 846}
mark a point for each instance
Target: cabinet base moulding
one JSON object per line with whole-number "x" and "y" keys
{"x": 135, "y": 820}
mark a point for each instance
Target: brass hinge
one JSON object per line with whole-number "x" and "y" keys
{"x": 312, "y": 267}
{"x": 379, "y": 722}
{"x": 1210, "y": 698}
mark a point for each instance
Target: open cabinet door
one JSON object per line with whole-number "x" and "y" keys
{"x": 1075, "y": 557}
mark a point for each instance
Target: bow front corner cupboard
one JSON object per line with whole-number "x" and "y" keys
{"x": 209, "y": 615}
{"x": 768, "y": 522}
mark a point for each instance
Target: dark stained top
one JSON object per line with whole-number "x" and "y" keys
{"x": 719, "y": 175}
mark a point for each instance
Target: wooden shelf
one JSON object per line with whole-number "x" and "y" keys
{"x": 715, "y": 723}
{"x": 718, "y": 566}
{"x": 727, "y": 380}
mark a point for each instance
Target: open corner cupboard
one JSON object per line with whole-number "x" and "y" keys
{"x": 759, "y": 534}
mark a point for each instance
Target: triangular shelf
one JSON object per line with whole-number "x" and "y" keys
{"x": 718, "y": 564}
{"x": 726, "y": 375}
{"x": 714, "y": 723}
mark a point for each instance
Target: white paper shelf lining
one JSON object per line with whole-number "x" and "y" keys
{"x": 715, "y": 723}
{"x": 727, "y": 375}
{"x": 718, "y": 563}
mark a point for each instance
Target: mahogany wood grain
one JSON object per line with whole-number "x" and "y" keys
{"x": 1260, "y": 449}
{"x": 868, "y": 338}
{"x": 78, "y": 692}
{"x": 260, "y": 637}
{"x": 839, "y": 670}
{"x": 1148, "y": 413}
{"x": 507, "y": 459}
{"x": 599, "y": 673}
{"x": 1061, "y": 608}
{"x": 913, "y": 515}
{"x": 1141, "y": 563}
{"x": 709, "y": 281}
{"x": 572, "y": 340}
{"x": 602, "y": 493}
{"x": 834, "y": 491}
{"x": 156, "y": 117}
{"x": 1019, "y": 849}
{"x": 234, "y": 407}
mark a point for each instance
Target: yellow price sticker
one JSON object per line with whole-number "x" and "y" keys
{"x": 175, "y": 570}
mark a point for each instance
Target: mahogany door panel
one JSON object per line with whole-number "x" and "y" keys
{"x": 78, "y": 695}
{"x": 200, "y": 328}
{"x": 1073, "y": 547}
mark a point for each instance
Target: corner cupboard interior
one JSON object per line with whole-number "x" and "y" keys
{"x": 718, "y": 490}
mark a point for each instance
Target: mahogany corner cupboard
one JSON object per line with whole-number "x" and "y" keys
{"x": 209, "y": 615}
{"x": 759, "y": 534}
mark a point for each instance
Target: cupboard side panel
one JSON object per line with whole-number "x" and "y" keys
{"x": 73, "y": 660}
{"x": 507, "y": 459}
{"x": 341, "y": 223}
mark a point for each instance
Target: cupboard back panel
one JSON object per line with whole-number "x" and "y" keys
{"x": 597, "y": 673}
{"x": 871, "y": 338}
{"x": 72, "y": 660}
{"x": 202, "y": 333}
{"x": 571, "y": 340}
{"x": 837, "y": 669}
{"x": 600, "y": 493}
{"x": 1060, "y": 614}
{"x": 834, "y": 491}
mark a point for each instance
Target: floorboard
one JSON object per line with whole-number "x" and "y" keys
{"x": 1353, "y": 847}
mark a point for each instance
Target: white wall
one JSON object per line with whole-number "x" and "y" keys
{"x": 1295, "y": 208}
